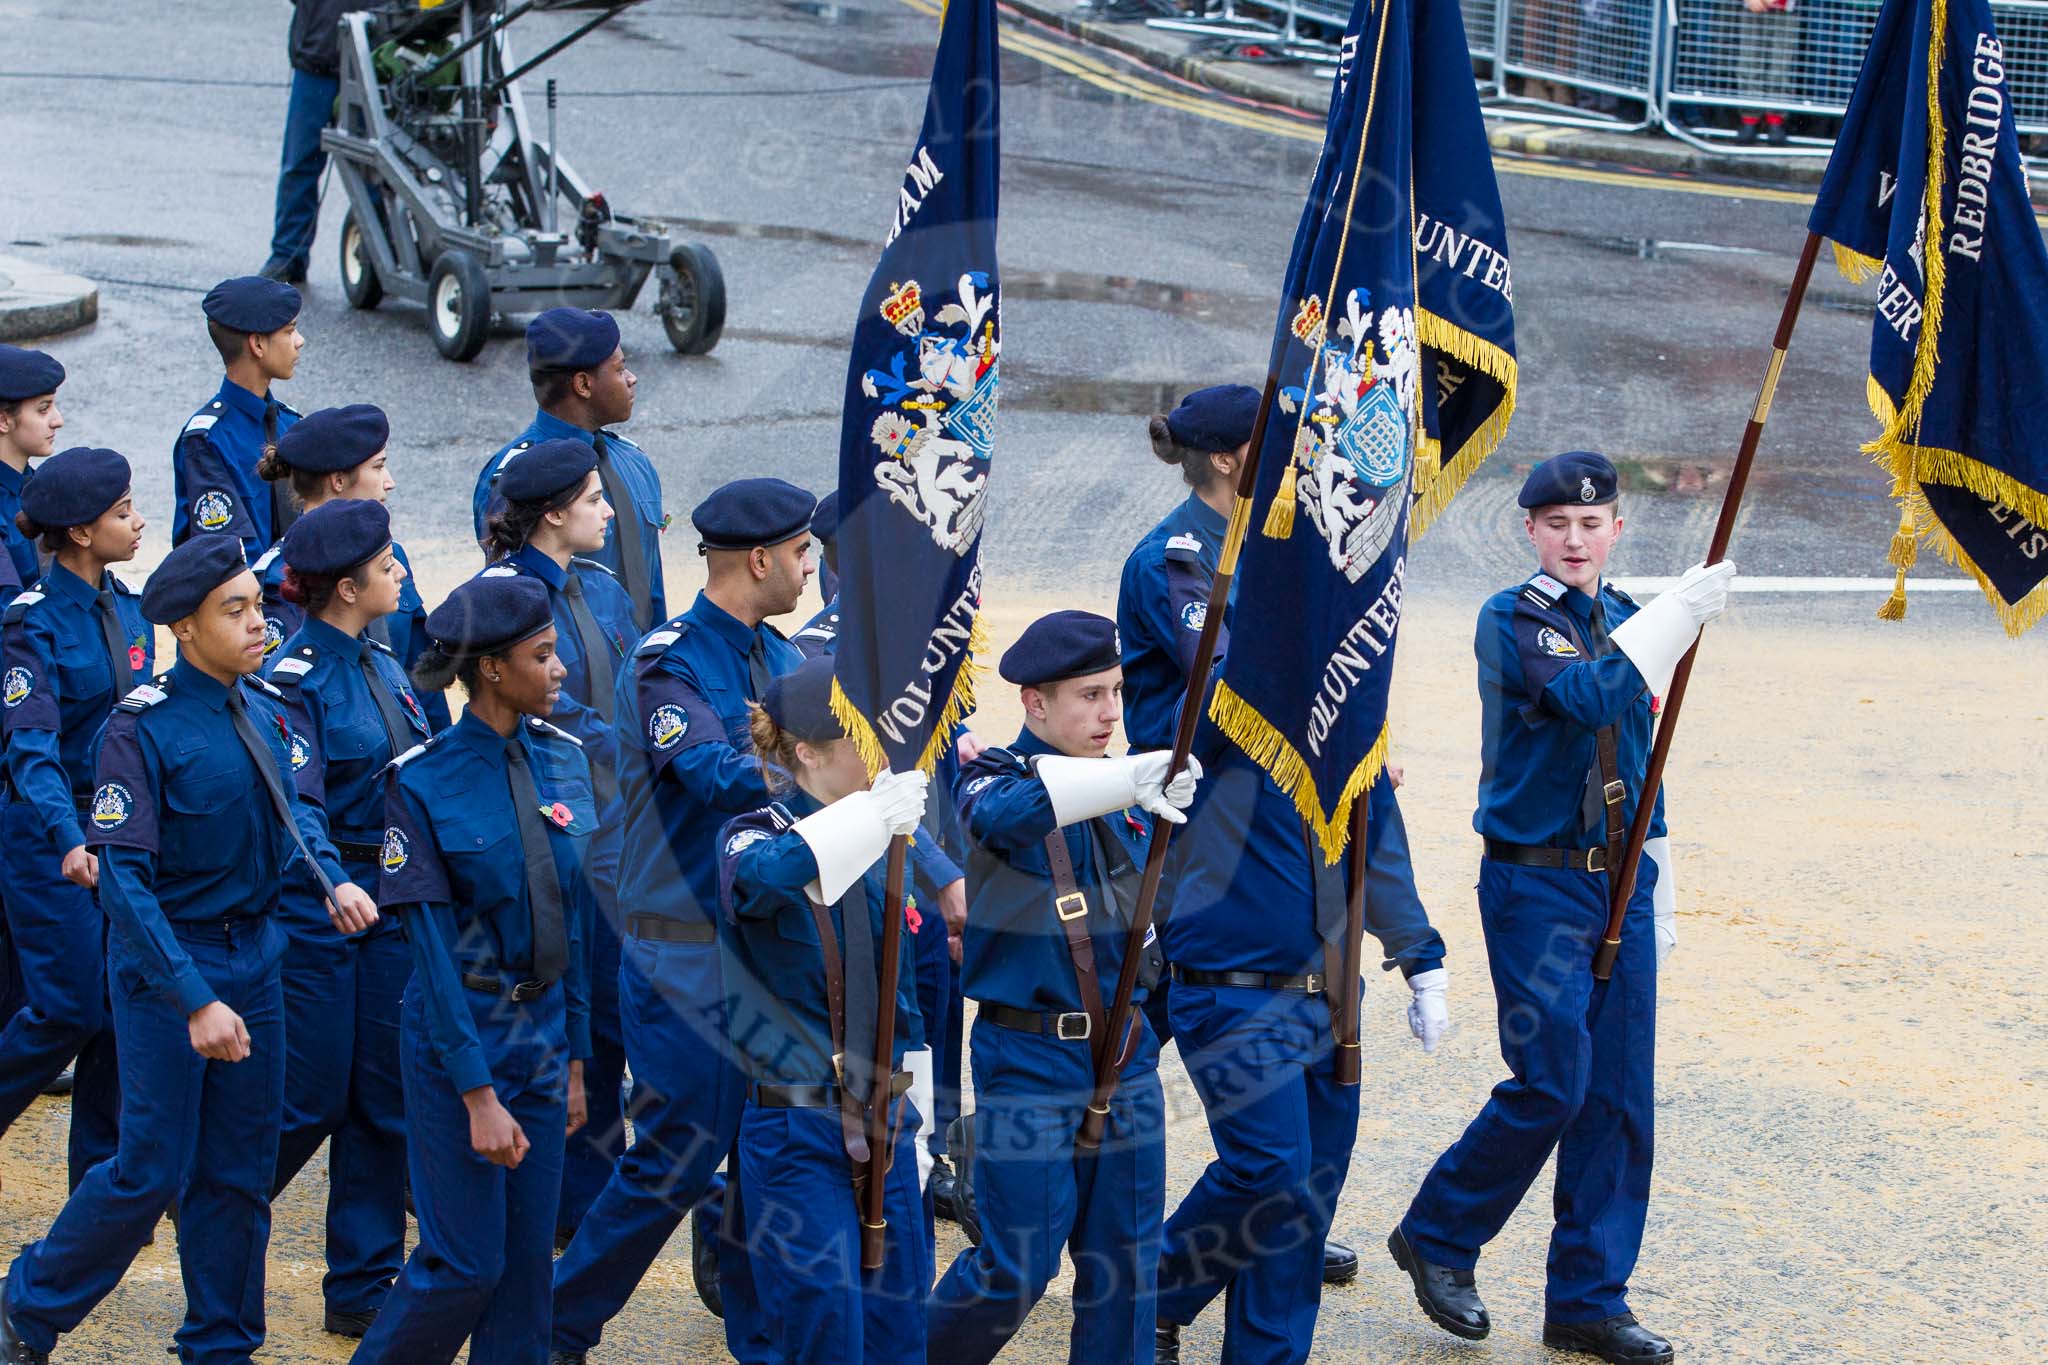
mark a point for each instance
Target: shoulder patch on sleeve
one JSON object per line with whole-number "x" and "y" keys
{"x": 294, "y": 667}
{"x": 143, "y": 696}
{"x": 542, "y": 727}
{"x": 201, "y": 422}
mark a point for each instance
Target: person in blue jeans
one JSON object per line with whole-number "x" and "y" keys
{"x": 197, "y": 811}
{"x": 74, "y": 645}
{"x": 349, "y": 694}
{"x": 483, "y": 862}
{"x": 315, "y": 46}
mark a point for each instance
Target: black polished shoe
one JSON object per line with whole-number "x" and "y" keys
{"x": 1450, "y": 1297}
{"x": 704, "y": 1268}
{"x": 566, "y": 1358}
{"x": 13, "y": 1350}
{"x": 347, "y": 1324}
{"x": 1620, "y": 1340}
{"x": 60, "y": 1084}
{"x": 1166, "y": 1343}
{"x": 944, "y": 1184}
{"x": 289, "y": 272}
{"x": 1340, "y": 1263}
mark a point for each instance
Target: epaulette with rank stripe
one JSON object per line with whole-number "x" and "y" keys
{"x": 374, "y": 643}
{"x": 554, "y": 731}
{"x": 201, "y": 422}
{"x": 261, "y": 684}
{"x": 18, "y": 608}
{"x": 580, "y": 562}
{"x": 410, "y": 754}
{"x": 779, "y": 813}
{"x": 1543, "y": 590}
{"x": 266, "y": 559}
{"x": 145, "y": 695}
{"x": 658, "y": 641}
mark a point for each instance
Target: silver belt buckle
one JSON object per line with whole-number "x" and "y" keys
{"x": 1073, "y": 1018}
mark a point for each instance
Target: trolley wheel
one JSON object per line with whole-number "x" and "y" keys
{"x": 692, "y": 302}
{"x": 458, "y": 304}
{"x": 358, "y": 271}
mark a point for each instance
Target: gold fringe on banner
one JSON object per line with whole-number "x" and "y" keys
{"x": 1242, "y": 724}
{"x": 958, "y": 707}
{"x": 1854, "y": 265}
{"x": 1905, "y": 549}
{"x": 1280, "y": 512}
{"x": 1434, "y": 495}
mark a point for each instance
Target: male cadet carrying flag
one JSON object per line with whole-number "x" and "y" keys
{"x": 1927, "y": 191}
{"x": 915, "y": 445}
{"x": 1396, "y": 352}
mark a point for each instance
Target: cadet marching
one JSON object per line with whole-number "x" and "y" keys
{"x": 600, "y": 951}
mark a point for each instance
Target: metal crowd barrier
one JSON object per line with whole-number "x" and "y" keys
{"x": 1692, "y": 68}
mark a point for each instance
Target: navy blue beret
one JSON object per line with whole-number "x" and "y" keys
{"x": 489, "y": 614}
{"x": 334, "y": 439}
{"x": 1065, "y": 644}
{"x": 250, "y": 303}
{"x": 27, "y": 374}
{"x": 800, "y": 703}
{"x": 336, "y": 536}
{"x": 1578, "y": 477}
{"x": 825, "y": 521}
{"x": 570, "y": 339}
{"x": 539, "y": 472}
{"x": 74, "y": 487}
{"x": 188, "y": 574}
{"x": 1216, "y": 418}
{"x": 749, "y": 512}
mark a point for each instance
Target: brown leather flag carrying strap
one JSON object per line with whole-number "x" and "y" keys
{"x": 1070, "y": 907}
{"x": 852, "y": 1122}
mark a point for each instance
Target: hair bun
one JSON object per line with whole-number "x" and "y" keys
{"x": 1163, "y": 445}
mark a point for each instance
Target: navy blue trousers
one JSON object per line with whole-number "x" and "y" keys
{"x": 803, "y": 1239}
{"x": 1581, "y": 1057}
{"x": 595, "y": 1148}
{"x": 342, "y": 1086}
{"x": 487, "y": 1234}
{"x": 199, "y": 1131}
{"x": 686, "y": 1105}
{"x": 299, "y": 169}
{"x": 1037, "y": 1199}
{"x": 1254, "y": 1225}
{"x": 59, "y": 938}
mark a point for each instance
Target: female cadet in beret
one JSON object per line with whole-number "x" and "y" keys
{"x": 330, "y": 455}
{"x": 29, "y": 423}
{"x": 348, "y": 693}
{"x": 196, "y": 813}
{"x": 801, "y": 883}
{"x": 483, "y": 863}
{"x": 553, "y": 513}
{"x": 74, "y": 646}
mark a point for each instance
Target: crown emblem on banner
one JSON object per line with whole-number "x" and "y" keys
{"x": 1308, "y": 321}
{"x": 903, "y": 309}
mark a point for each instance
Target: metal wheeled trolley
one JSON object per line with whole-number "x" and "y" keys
{"x": 454, "y": 202}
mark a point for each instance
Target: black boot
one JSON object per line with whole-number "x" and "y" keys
{"x": 704, "y": 1268}
{"x": 1340, "y": 1263}
{"x": 1620, "y": 1340}
{"x": 1166, "y": 1343}
{"x": 566, "y": 1358}
{"x": 348, "y": 1324}
{"x": 1450, "y": 1297}
{"x": 60, "y": 1084}
{"x": 944, "y": 1185}
{"x": 15, "y": 1351}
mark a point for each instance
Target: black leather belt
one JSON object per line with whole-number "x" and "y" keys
{"x": 657, "y": 929}
{"x": 771, "y": 1096}
{"x": 1310, "y": 984}
{"x": 359, "y": 853}
{"x": 491, "y": 985}
{"x": 1522, "y": 855}
{"x": 1073, "y": 1026}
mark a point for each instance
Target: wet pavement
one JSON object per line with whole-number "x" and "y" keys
{"x": 1141, "y": 248}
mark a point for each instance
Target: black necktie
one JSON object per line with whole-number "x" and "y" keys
{"x": 626, "y": 527}
{"x": 1102, "y": 843}
{"x": 117, "y": 644}
{"x": 857, "y": 931}
{"x": 758, "y": 675}
{"x": 1598, "y": 643}
{"x": 380, "y": 631}
{"x": 282, "y": 514}
{"x": 266, "y": 769}
{"x": 396, "y": 728}
{"x": 597, "y": 649}
{"x": 543, "y": 887}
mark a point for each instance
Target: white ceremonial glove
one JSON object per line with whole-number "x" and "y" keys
{"x": 1663, "y": 898}
{"x": 1168, "y": 801}
{"x": 900, "y": 800}
{"x": 919, "y": 1065}
{"x": 1429, "y": 1008}
{"x": 850, "y": 834}
{"x": 1704, "y": 589}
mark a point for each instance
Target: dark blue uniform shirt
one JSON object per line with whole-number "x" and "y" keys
{"x": 213, "y": 469}
{"x": 184, "y": 823}
{"x": 1160, "y": 607}
{"x": 58, "y": 690}
{"x": 327, "y": 695}
{"x": 1014, "y": 951}
{"x": 23, "y": 566}
{"x": 687, "y": 760}
{"x": 1542, "y": 701}
{"x": 403, "y": 630}
{"x": 645, "y": 517}
{"x": 613, "y": 612}
{"x": 454, "y": 866}
{"x": 780, "y": 1022}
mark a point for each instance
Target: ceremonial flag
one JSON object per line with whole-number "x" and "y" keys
{"x": 919, "y": 422}
{"x": 1926, "y": 191}
{"x": 1395, "y": 342}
